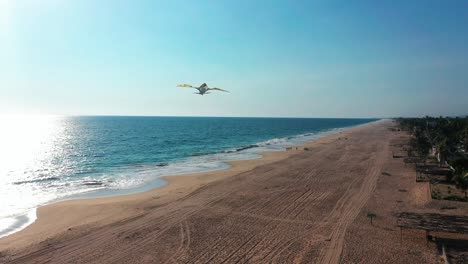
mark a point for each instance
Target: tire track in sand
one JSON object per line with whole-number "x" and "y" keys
{"x": 350, "y": 209}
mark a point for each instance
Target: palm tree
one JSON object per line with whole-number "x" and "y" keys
{"x": 412, "y": 145}
{"x": 423, "y": 148}
{"x": 442, "y": 152}
{"x": 465, "y": 139}
{"x": 461, "y": 179}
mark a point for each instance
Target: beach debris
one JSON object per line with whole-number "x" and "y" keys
{"x": 202, "y": 89}
{"x": 371, "y": 216}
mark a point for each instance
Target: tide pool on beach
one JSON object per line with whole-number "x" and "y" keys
{"x": 47, "y": 159}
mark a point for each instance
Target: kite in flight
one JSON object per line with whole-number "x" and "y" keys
{"x": 203, "y": 89}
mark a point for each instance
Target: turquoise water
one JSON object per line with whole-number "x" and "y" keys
{"x": 46, "y": 159}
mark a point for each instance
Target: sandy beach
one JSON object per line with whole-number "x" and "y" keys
{"x": 300, "y": 206}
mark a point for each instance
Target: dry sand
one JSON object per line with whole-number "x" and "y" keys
{"x": 289, "y": 207}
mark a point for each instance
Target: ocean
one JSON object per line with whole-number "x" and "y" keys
{"x": 45, "y": 159}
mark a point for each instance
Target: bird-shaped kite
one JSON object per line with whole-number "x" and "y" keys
{"x": 203, "y": 89}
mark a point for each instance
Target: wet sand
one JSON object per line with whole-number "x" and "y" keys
{"x": 289, "y": 207}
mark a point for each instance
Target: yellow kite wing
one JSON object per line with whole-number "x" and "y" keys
{"x": 185, "y": 86}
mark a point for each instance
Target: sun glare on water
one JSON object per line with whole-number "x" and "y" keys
{"x": 26, "y": 145}
{"x": 24, "y": 139}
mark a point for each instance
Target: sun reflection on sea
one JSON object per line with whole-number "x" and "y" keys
{"x": 25, "y": 139}
{"x": 26, "y": 144}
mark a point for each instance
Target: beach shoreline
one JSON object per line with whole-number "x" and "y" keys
{"x": 32, "y": 215}
{"x": 39, "y": 229}
{"x": 352, "y": 162}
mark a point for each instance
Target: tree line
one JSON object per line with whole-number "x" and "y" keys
{"x": 445, "y": 138}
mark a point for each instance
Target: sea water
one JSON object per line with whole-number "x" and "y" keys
{"x": 45, "y": 159}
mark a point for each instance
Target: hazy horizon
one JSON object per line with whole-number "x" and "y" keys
{"x": 28, "y": 116}
{"x": 314, "y": 59}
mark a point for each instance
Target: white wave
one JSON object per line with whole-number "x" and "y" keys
{"x": 15, "y": 223}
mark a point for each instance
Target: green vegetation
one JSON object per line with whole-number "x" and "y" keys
{"x": 371, "y": 216}
{"x": 461, "y": 179}
{"x": 445, "y": 139}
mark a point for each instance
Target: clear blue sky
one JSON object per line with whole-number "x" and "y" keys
{"x": 278, "y": 58}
